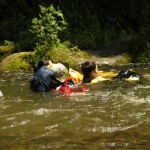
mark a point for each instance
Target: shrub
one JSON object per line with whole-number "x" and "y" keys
{"x": 46, "y": 29}
{"x": 140, "y": 45}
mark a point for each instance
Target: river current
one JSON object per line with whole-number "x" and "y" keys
{"x": 112, "y": 115}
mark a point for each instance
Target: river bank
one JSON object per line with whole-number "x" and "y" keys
{"x": 112, "y": 54}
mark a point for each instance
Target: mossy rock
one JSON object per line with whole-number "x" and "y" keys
{"x": 124, "y": 59}
{"x": 6, "y": 50}
{"x": 16, "y": 62}
{"x": 71, "y": 57}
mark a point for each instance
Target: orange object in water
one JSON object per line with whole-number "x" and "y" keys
{"x": 75, "y": 76}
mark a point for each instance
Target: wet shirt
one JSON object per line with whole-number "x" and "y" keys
{"x": 43, "y": 80}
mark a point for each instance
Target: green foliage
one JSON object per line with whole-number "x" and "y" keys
{"x": 6, "y": 50}
{"x": 144, "y": 56}
{"x": 140, "y": 45}
{"x": 84, "y": 27}
{"x": 90, "y": 23}
{"x": 87, "y": 36}
{"x": 8, "y": 42}
{"x": 46, "y": 29}
{"x": 60, "y": 54}
{"x": 15, "y": 20}
{"x": 65, "y": 52}
{"x": 18, "y": 63}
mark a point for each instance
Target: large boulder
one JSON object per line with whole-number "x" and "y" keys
{"x": 16, "y": 61}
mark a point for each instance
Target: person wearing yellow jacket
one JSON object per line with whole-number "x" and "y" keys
{"x": 90, "y": 72}
{"x": 92, "y": 75}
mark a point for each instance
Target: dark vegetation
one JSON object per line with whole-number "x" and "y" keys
{"x": 87, "y": 24}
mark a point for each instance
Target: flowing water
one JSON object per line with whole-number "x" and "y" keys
{"x": 110, "y": 116}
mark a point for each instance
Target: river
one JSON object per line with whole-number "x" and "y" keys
{"x": 110, "y": 116}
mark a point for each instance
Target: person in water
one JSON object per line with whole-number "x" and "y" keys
{"x": 41, "y": 63}
{"x": 45, "y": 79}
{"x": 90, "y": 72}
{"x": 92, "y": 75}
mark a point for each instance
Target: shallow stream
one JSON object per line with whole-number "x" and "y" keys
{"x": 111, "y": 115}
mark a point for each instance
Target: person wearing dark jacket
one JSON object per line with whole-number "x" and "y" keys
{"x": 45, "y": 79}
